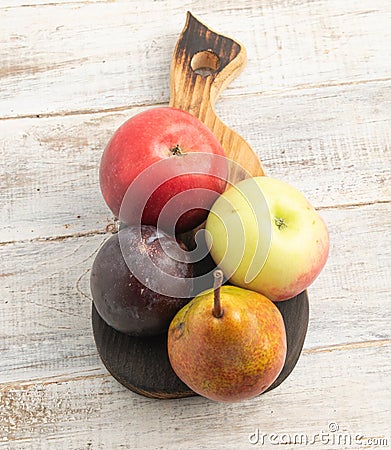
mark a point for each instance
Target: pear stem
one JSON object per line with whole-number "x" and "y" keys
{"x": 218, "y": 280}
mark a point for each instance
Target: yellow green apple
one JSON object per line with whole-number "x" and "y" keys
{"x": 266, "y": 236}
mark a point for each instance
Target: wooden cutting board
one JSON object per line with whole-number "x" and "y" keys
{"x": 203, "y": 64}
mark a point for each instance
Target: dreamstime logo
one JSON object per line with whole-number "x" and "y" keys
{"x": 331, "y": 437}
{"x": 164, "y": 176}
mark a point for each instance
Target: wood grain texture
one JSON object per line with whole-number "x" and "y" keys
{"x": 314, "y": 102}
{"x": 332, "y": 143}
{"x": 203, "y": 65}
{"x": 59, "y": 58}
{"x": 45, "y": 308}
{"x": 94, "y": 411}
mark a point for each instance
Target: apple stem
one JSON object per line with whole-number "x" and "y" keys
{"x": 218, "y": 280}
{"x": 177, "y": 151}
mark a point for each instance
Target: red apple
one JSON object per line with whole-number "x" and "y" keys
{"x": 169, "y": 152}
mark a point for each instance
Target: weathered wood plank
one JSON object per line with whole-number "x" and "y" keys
{"x": 45, "y": 298}
{"x": 49, "y": 177}
{"x": 89, "y": 56}
{"x": 7, "y": 4}
{"x": 314, "y": 102}
{"x": 43, "y": 303}
{"x": 347, "y": 388}
{"x": 332, "y": 143}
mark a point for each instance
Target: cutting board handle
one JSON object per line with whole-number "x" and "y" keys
{"x": 203, "y": 64}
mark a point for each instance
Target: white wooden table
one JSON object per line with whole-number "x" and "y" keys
{"x": 313, "y": 101}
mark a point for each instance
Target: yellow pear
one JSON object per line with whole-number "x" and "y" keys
{"x": 227, "y": 344}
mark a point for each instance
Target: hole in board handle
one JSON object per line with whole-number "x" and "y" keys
{"x": 205, "y": 63}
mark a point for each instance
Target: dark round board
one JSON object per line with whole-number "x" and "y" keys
{"x": 142, "y": 365}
